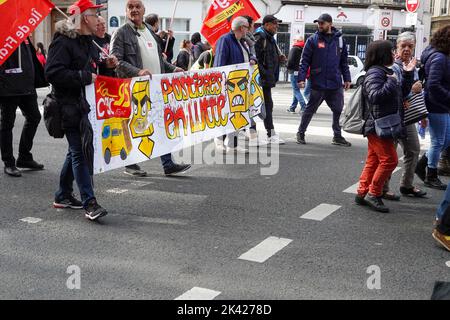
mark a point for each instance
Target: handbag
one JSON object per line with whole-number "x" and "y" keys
{"x": 389, "y": 127}
{"x": 417, "y": 109}
{"x": 53, "y": 116}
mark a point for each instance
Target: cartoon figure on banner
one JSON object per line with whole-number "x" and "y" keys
{"x": 237, "y": 89}
{"x": 116, "y": 139}
{"x": 256, "y": 94}
{"x": 139, "y": 125}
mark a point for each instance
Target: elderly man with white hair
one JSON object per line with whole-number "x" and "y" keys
{"x": 406, "y": 43}
{"x": 231, "y": 48}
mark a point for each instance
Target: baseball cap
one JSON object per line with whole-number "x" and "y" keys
{"x": 324, "y": 17}
{"x": 81, "y": 6}
{"x": 271, "y": 18}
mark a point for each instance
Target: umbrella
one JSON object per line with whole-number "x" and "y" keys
{"x": 87, "y": 138}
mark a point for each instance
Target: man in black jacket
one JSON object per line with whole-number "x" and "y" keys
{"x": 269, "y": 57}
{"x": 71, "y": 65}
{"x": 20, "y": 75}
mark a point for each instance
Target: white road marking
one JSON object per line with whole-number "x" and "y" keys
{"x": 265, "y": 249}
{"x": 117, "y": 191}
{"x": 320, "y": 212}
{"x": 31, "y": 220}
{"x": 447, "y": 264}
{"x": 197, "y": 293}
{"x": 179, "y": 222}
{"x": 354, "y": 188}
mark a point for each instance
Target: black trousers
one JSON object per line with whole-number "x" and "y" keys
{"x": 30, "y": 110}
{"x": 268, "y": 103}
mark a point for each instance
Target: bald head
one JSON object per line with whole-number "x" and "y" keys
{"x": 101, "y": 27}
{"x": 135, "y": 12}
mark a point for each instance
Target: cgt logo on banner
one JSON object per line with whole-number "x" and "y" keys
{"x": 141, "y": 118}
{"x": 19, "y": 18}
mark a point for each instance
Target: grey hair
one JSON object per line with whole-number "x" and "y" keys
{"x": 406, "y": 36}
{"x": 238, "y": 22}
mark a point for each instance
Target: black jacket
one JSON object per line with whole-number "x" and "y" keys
{"x": 70, "y": 63}
{"x": 385, "y": 94}
{"x": 268, "y": 58}
{"x": 184, "y": 58}
{"x": 295, "y": 55}
{"x": 102, "y": 67}
{"x": 14, "y": 83}
{"x": 169, "y": 51}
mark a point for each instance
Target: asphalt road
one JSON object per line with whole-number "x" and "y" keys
{"x": 165, "y": 236}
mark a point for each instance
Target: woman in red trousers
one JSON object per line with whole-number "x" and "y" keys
{"x": 384, "y": 94}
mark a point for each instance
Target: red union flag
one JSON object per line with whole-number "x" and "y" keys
{"x": 19, "y": 18}
{"x": 220, "y": 15}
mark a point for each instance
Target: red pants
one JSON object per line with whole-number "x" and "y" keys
{"x": 381, "y": 161}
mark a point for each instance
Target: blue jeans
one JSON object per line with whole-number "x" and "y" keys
{"x": 444, "y": 204}
{"x": 75, "y": 168}
{"x": 440, "y": 136}
{"x": 167, "y": 161}
{"x": 298, "y": 97}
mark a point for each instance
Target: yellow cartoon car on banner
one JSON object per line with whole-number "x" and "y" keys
{"x": 116, "y": 140}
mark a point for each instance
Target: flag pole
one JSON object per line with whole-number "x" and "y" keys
{"x": 171, "y": 23}
{"x": 62, "y": 12}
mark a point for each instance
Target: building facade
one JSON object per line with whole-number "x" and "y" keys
{"x": 440, "y": 10}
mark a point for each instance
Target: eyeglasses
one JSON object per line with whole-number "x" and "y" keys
{"x": 91, "y": 15}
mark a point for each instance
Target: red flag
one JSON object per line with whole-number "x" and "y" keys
{"x": 220, "y": 15}
{"x": 19, "y": 18}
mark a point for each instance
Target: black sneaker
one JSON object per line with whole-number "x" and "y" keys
{"x": 360, "y": 200}
{"x": 135, "y": 171}
{"x": 301, "y": 138}
{"x": 375, "y": 203}
{"x": 69, "y": 202}
{"x": 94, "y": 210}
{"x": 176, "y": 168}
{"x": 290, "y": 110}
{"x": 340, "y": 141}
{"x": 13, "y": 171}
{"x": 29, "y": 164}
{"x": 435, "y": 183}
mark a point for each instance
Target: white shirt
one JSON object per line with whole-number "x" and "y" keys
{"x": 244, "y": 52}
{"x": 149, "y": 51}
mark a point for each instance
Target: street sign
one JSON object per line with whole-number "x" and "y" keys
{"x": 385, "y": 20}
{"x": 412, "y": 5}
{"x": 411, "y": 19}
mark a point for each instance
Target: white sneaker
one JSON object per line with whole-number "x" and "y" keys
{"x": 275, "y": 139}
{"x": 256, "y": 142}
{"x": 237, "y": 149}
{"x": 219, "y": 145}
{"x": 243, "y": 135}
